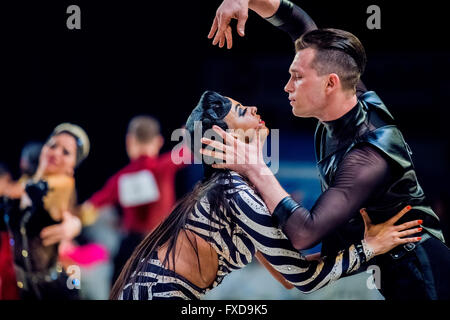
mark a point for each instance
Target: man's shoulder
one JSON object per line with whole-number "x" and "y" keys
{"x": 372, "y": 102}
{"x": 143, "y": 163}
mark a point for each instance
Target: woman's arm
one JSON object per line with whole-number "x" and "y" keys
{"x": 278, "y": 276}
{"x": 253, "y": 219}
{"x": 58, "y": 202}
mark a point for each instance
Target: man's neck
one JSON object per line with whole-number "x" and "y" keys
{"x": 146, "y": 152}
{"x": 338, "y": 106}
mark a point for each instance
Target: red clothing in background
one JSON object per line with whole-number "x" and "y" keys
{"x": 8, "y": 284}
{"x": 144, "y": 203}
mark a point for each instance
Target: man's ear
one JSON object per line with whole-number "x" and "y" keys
{"x": 333, "y": 82}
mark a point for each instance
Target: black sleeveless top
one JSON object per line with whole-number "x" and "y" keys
{"x": 369, "y": 125}
{"x": 363, "y": 161}
{"x": 25, "y": 226}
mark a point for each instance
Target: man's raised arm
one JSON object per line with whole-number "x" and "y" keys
{"x": 282, "y": 14}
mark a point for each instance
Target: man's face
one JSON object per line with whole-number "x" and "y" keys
{"x": 306, "y": 89}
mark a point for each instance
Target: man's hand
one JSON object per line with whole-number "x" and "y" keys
{"x": 68, "y": 229}
{"x": 238, "y": 156}
{"x": 229, "y": 9}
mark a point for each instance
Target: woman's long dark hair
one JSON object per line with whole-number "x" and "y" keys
{"x": 211, "y": 110}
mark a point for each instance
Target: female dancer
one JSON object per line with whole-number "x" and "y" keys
{"x": 39, "y": 219}
{"x": 220, "y": 225}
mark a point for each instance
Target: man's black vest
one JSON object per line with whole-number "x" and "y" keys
{"x": 371, "y": 123}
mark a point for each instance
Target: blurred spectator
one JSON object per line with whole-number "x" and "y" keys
{"x": 8, "y": 288}
{"x": 39, "y": 218}
{"x": 5, "y": 179}
{"x": 144, "y": 189}
{"x": 29, "y": 159}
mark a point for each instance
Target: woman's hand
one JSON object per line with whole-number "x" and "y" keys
{"x": 383, "y": 237}
{"x": 68, "y": 229}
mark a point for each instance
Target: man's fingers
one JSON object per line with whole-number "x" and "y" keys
{"x": 215, "y": 144}
{"x": 216, "y": 37}
{"x": 213, "y": 28}
{"x": 241, "y": 22}
{"x": 366, "y": 218}
{"x": 229, "y": 37}
{"x": 395, "y": 218}
{"x": 220, "y": 166}
{"x": 222, "y": 41}
{"x": 259, "y": 136}
{"x": 222, "y": 27}
{"x": 228, "y": 138}
{"x": 234, "y": 135}
{"x": 214, "y": 154}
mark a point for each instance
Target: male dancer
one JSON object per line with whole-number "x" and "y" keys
{"x": 144, "y": 189}
{"x": 362, "y": 157}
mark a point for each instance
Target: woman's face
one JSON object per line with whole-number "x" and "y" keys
{"x": 59, "y": 155}
{"x": 243, "y": 118}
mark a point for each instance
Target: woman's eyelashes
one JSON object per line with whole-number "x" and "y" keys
{"x": 242, "y": 111}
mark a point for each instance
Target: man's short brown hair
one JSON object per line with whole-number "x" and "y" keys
{"x": 337, "y": 51}
{"x": 144, "y": 128}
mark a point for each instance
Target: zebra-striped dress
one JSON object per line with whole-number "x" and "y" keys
{"x": 248, "y": 228}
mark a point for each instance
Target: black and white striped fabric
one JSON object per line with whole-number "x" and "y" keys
{"x": 248, "y": 228}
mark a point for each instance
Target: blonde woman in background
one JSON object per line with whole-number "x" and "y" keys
{"x": 40, "y": 219}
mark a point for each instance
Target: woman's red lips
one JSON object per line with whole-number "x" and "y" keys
{"x": 51, "y": 160}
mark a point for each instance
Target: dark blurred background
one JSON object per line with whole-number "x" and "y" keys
{"x": 133, "y": 57}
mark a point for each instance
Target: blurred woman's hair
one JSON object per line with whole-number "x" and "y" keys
{"x": 29, "y": 158}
